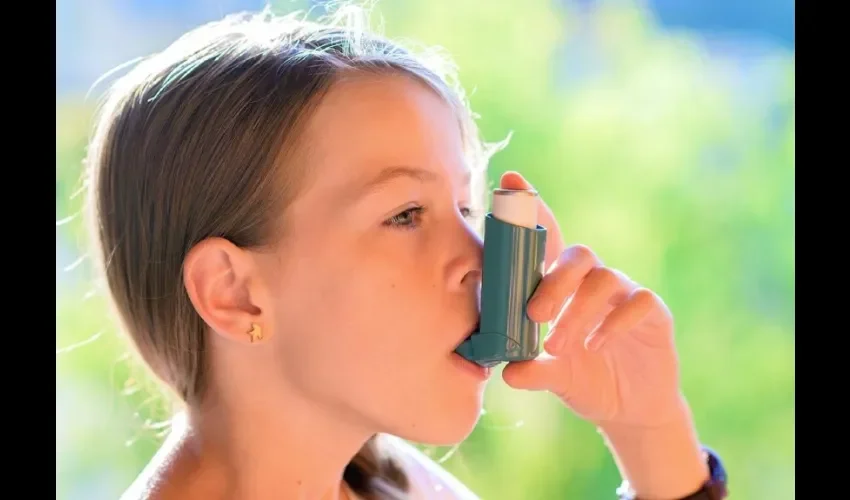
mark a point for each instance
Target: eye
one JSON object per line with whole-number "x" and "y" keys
{"x": 408, "y": 219}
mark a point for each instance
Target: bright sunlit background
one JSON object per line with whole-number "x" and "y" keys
{"x": 662, "y": 134}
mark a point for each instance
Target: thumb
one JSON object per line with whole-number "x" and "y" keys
{"x": 555, "y": 241}
{"x": 514, "y": 180}
{"x": 544, "y": 373}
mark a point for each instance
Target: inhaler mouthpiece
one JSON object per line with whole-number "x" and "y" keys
{"x": 514, "y": 248}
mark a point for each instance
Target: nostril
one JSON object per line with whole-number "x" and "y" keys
{"x": 473, "y": 276}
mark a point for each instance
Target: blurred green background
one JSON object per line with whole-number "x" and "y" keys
{"x": 662, "y": 139}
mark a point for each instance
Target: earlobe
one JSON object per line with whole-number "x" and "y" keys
{"x": 256, "y": 333}
{"x": 222, "y": 282}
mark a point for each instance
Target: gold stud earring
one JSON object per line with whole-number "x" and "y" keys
{"x": 255, "y": 332}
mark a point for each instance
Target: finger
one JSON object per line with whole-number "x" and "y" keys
{"x": 554, "y": 239}
{"x": 601, "y": 289}
{"x": 629, "y": 314}
{"x": 562, "y": 281}
{"x": 540, "y": 374}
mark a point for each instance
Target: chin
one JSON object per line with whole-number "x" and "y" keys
{"x": 448, "y": 421}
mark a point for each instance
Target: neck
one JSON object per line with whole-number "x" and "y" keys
{"x": 274, "y": 447}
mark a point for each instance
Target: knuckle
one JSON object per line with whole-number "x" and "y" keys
{"x": 605, "y": 277}
{"x": 624, "y": 278}
{"x": 644, "y": 296}
{"x": 580, "y": 253}
{"x": 647, "y": 299}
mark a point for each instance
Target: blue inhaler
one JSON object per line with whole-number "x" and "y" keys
{"x": 514, "y": 248}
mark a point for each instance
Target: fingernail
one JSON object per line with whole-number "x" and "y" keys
{"x": 595, "y": 341}
{"x": 538, "y": 308}
{"x": 559, "y": 343}
{"x": 549, "y": 345}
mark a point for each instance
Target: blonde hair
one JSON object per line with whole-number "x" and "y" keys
{"x": 189, "y": 145}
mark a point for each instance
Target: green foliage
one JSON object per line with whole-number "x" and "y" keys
{"x": 654, "y": 159}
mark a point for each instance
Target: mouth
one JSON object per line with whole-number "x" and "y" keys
{"x": 473, "y": 368}
{"x": 472, "y": 331}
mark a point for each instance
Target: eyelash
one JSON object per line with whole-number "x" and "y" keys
{"x": 399, "y": 220}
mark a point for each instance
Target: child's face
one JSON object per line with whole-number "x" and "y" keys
{"x": 379, "y": 269}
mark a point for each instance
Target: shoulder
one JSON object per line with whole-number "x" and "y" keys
{"x": 149, "y": 485}
{"x": 175, "y": 472}
{"x": 429, "y": 481}
{"x": 172, "y": 479}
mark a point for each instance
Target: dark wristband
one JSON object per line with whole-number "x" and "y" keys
{"x": 713, "y": 489}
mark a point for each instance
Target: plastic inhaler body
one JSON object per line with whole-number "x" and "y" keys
{"x": 514, "y": 249}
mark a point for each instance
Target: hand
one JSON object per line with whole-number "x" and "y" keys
{"x": 610, "y": 354}
{"x": 610, "y": 357}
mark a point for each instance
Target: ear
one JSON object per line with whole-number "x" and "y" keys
{"x": 223, "y": 282}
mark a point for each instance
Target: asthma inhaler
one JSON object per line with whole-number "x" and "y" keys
{"x": 514, "y": 248}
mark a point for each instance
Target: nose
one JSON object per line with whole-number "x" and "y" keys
{"x": 465, "y": 264}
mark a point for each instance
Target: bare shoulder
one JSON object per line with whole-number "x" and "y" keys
{"x": 152, "y": 484}
{"x": 173, "y": 473}
{"x": 429, "y": 480}
{"x": 145, "y": 488}
{"x": 170, "y": 480}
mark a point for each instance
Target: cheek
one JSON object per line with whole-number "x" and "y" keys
{"x": 360, "y": 336}
{"x": 380, "y": 302}
{"x": 373, "y": 335}
{"x": 362, "y": 304}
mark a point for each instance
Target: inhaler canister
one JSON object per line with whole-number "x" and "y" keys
{"x": 514, "y": 249}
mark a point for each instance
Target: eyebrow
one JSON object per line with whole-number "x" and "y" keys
{"x": 387, "y": 175}
{"x": 391, "y": 173}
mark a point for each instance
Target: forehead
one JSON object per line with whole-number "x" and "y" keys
{"x": 368, "y": 122}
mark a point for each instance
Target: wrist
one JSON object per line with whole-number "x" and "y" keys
{"x": 662, "y": 462}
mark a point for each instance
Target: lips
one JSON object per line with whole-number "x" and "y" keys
{"x": 474, "y": 329}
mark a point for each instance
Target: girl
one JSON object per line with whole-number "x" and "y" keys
{"x": 285, "y": 214}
